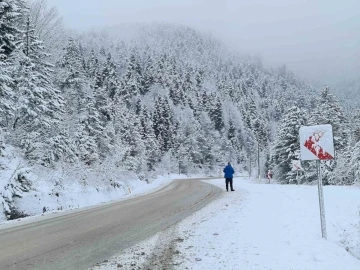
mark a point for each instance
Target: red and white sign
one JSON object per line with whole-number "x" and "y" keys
{"x": 316, "y": 143}
{"x": 296, "y": 165}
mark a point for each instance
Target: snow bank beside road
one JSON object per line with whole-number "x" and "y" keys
{"x": 258, "y": 227}
{"x": 75, "y": 195}
{"x": 272, "y": 227}
{"x": 34, "y": 190}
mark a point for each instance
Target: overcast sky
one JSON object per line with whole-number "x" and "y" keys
{"x": 318, "y": 39}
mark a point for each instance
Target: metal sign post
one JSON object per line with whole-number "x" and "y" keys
{"x": 296, "y": 166}
{"x": 321, "y": 201}
{"x": 317, "y": 143}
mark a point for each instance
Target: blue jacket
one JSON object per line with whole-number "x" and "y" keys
{"x": 229, "y": 171}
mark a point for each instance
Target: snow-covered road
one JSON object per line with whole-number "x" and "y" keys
{"x": 259, "y": 226}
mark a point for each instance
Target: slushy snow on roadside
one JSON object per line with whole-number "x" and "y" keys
{"x": 259, "y": 226}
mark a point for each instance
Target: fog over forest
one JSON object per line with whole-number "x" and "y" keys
{"x": 318, "y": 40}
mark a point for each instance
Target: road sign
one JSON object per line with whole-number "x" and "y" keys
{"x": 296, "y": 165}
{"x": 316, "y": 142}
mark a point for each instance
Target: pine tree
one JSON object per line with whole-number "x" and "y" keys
{"x": 133, "y": 80}
{"x": 105, "y": 88}
{"x": 231, "y": 131}
{"x": 60, "y": 147}
{"x": 356, "y": 129}
{"x": 216, "y": 114}
{"x": 148, "y": 76}
{"x": 328, "y": 111}
{"x": 188, "y": 147}
{"x": 39, "y": 104}
{"x": 72, "y": 74}
{"x": 86, "y": 147}
{"x": 355, "y": 162}
{"x": 6, "y": 92}
{"x": 163, "y": 124}
{"x": 110, "y": 78}
{"x": 11, "y": 12}
{"x": 149, "y": 138}
{"x": 199, "y": 78}
{"x": 287, "y": 145}
{"x": 176, "y": 90}
{"x": 93, "y": 64}
{"x": 130, "y": 128}
{"x": 90, "y": 133}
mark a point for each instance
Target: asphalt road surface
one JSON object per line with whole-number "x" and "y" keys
{"x": 81, "y": 239}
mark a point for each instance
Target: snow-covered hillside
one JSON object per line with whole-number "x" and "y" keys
{"x": 259, "y": 226}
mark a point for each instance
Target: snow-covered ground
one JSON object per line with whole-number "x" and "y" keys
{"x": 35, "y": 191}
{"x": 259, "y": 226}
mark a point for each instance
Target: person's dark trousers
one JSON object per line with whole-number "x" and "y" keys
{"x": 227, "y": 181}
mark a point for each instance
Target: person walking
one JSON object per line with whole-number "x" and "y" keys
{"x": 229, "y": 172}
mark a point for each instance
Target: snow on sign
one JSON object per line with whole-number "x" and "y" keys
{"x": 316, "y": 142}
{"x": 296, "y": 165}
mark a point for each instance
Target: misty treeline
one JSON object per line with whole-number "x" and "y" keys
{"x": 155, "y": 97}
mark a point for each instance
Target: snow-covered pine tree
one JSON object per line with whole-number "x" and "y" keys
{"x": 148, "y": 75}
{"x": 11, "y": 12}
{"x": 352, "y": 153}
{"x": 235, "y": 137}
{"x": 110, "y": 78}
{"x": 133, "y": 80}
{"x": 6, "y": 91}
{"x": 160, "y": 69}
{"x": 343, "y": 173}
{"x": 11, "y": 15}
{"x": 89, "y": 133}
{"x": 39, "y": 106}
{"x": 174, "y": 87}
{"x": 105, "y": 87}
{"x": 355, "y": 162}
{"x": 356, "y": 125}
{"x": 148, "y": 137}
{"x": 93, "y": 64}
{"x": 216, "y": 114}
{"x": 187, "y": 147}
{"x": 203, "y": 101}
{"x": 287, "y": 145}
{"x": 60, "y": 148}
{"x": 163, "y": 122}
{"x": 129, "y": 132}
{"x": 72, "y": 66}
{"x": 70, "y": 77}
{"x": 328, "y": 111}
{"x": 199, "y": 78}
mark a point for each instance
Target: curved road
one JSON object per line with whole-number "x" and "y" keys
{"x": 81, "y": 239}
